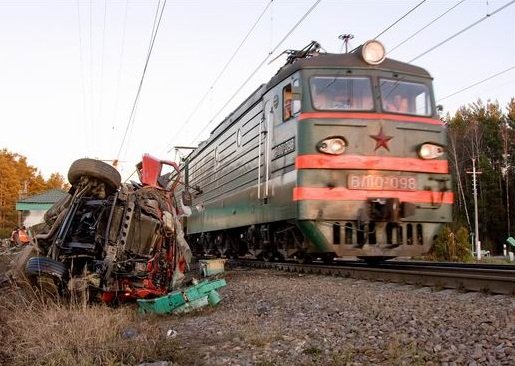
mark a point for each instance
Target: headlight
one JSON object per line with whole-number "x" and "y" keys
{"x": 430, "y": 151}
{"x": 373, "y": 52}
{"x": 332, "y": 145}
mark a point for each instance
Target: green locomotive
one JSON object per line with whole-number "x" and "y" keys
{"x": 337, "y": 155}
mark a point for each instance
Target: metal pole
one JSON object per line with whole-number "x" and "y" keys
{"x": 476, "y": 228}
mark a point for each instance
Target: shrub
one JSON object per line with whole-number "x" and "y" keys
{"x": 451, "y": 245}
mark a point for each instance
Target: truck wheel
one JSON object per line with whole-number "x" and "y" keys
{"x": 38, "y": 266}
{"x": 94, "y": 168}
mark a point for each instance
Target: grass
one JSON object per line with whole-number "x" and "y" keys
{"x": 312, "y": 351}
{"x": 496, "y": 260}
{"x": 41, "y": 331}
{"x": 484, "y": 260}
{"x": 259, "y": 336}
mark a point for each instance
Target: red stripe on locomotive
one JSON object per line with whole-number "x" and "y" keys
{"x": 376, "y": 116}
{"x": 371, "y": 162}
{"x": 344, "y": 194}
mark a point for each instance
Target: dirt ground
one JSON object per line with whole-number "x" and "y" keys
{"x": 270, "y": 318}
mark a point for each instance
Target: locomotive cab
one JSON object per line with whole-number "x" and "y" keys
{"x": 373, "y": 178}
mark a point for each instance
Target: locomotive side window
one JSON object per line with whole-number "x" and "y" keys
{"x": 287, "y": 103}
{"x": 405, "y": 97}
{"x": 341, "y": 93}
{"x": 296, "y": 104}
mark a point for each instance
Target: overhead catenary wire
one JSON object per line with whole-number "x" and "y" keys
{"x": 120, "y": 64}
{"x": 83, "y": 77}
{"x": 398, "y": 20}
{"x": 102, "y": 62}
{"x": 150, "y": 46}
{"x": 426, "y": 26}
{"x": 256, "y": 70}
{"x": 487, "y": 16}
{"x": 91, "y": 96}
{"x": 155, "y": 29}
{"x": 224, "y": 68}
{"x": 477, "y": 83}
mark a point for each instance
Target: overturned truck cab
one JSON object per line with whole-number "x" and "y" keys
{"x": 109, "y": 240}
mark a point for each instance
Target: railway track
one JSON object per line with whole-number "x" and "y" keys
{"x": 466, "y": 277}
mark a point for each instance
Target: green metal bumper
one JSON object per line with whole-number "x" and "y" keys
{"x": 185, "y": 300}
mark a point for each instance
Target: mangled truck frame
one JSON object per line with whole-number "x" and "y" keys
{"x": 113, "y": 241}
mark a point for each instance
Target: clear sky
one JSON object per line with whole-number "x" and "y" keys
{"x": 70, "y": 70}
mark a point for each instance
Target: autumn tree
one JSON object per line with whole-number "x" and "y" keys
{"x": 56, "y": 181}
{"x": 19, "y": 179}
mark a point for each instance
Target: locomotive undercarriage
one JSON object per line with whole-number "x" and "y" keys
{"x": 330, "y": 239}
{"x": 379, "y": 231}
{"x": 269, "y": 242}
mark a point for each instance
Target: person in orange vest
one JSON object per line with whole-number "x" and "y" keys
{"x": 23, "y": 236}
{"x": 19, "y": 236}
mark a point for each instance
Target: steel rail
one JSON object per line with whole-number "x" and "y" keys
{"x": 453, "y": 265}
{"x": 487, "y": 280}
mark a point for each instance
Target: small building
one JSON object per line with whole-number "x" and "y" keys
{"x": 32, "y": 209}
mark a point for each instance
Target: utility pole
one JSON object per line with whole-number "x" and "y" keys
{"x": 346, "y": 38}
{"x": 504, "y": 133}
{"x": 474, "y": 173}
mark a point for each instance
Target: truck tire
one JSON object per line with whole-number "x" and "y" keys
{"x": 94, "y": 168}
{"x": 43, "y": 266}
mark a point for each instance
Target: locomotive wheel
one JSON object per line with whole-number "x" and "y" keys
{"x": 375, "y": 260}
{"x": 304, "y": 258}
{"x": 94, "y": 168}
{"x": 267, "y": 257}
{"x": 272, "y": 257}
{"x": 328, "y": 258}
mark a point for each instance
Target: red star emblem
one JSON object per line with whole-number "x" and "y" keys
{"x": 381, "y": 140}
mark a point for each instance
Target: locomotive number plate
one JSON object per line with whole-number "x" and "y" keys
{"x": 382, "y": 182}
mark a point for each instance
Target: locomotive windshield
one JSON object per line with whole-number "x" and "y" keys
{"x": 341, "y": 93}
{"x": 405, "y": 97}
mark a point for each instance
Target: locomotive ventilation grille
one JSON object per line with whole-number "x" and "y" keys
{"x": 351, "y": 233}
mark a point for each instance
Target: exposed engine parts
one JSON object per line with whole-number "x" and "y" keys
{"x": 110, "y": 240}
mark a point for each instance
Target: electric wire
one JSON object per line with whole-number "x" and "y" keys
{"x": 150, "y": 46}
{"x": 210, "y": 89}
{"x": 83, "y": 78}
{"x": 426, "y": 26}
{"x": 135, "y": 110}
{"x": 155, "y": 29}
{"x": 477, "y": 83}
{"x": 487, "y": 16}
{"x": 102, "y": 61}
{"x": 120, "y": 65}
{"x": 257, "y": 69}
{"x": 91, "y": 96}
{"x": 398, "y": 20}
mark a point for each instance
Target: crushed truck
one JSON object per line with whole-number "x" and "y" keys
{"x": 112, "y": 241}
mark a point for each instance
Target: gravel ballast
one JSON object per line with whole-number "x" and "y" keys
{"x": 274, "y": 318}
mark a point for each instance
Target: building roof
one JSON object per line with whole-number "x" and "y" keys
{"x": 41, "y": 201}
